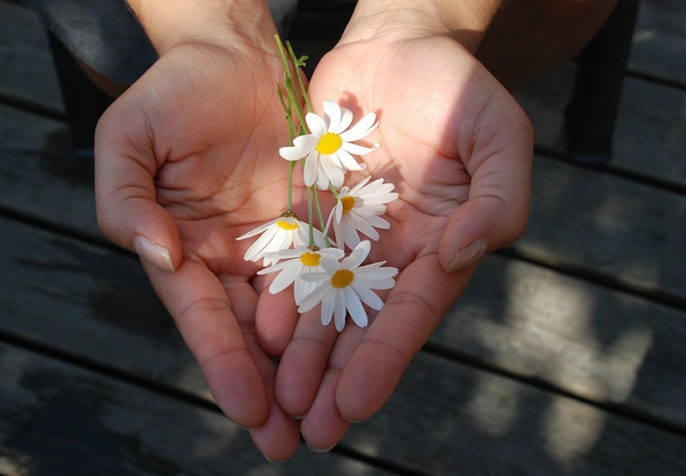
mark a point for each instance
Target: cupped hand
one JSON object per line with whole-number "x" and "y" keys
{"x": 458, "y": 149}
{"x": 186, "y": 161}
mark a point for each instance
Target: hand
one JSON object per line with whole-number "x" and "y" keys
{"x": 186, "y": 161}
{"x": 458, "y": 149}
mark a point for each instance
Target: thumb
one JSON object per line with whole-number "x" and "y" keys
{"x": 125, "y": 197}
{"x": 496, "y": 211}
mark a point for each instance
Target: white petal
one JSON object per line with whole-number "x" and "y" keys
{"x": 255, "y": 251}
{"x": 361, "y": 184}
{"x": 332, "y": 174}
{"x": 302, "y": 289}
{"x": 357, "y": 256}
{"x": 335, "y": 253}
{"x": 346, "y": 119}
{"x": 273, "y": 269}
{"x": 368, "y": 297}
{"x": 293, "y": 153}
{"x": 315, "y": 276}
{"x": 362, "y": 129}
{"x": 311, "y": 169}
{"x": 332, "y": 111}
{"x": 357, "y": 149}
{"x": 362, "y": 226}
{"x": 378, "y": 222}
{"x": 287, "y": 253}
{"x": 370, "y": 272}
{"x": 315, "y": 124}
{"x": 315, "y": 297}
{"x": 328, "y": 304}
{"x": 306, "y": 142}
{"x": 285, "y": 278}
{"x": 375, "y": 283}
{"x": 339, "y": 310}
{"x": 329, "y": 264}
{"x": 350, "y": 236}
{"x": 357, "y": 312}
{"x": 348, "y": 161}
{"x": 258, "y": 230}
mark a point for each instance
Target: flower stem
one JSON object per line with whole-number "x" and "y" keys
{"x": 309, "y": 215}
{"x": 290, "y": 85}
{"x": 322, "y": 225}
{"x": 298, "y": 62}
{"x": 333, "y": 190}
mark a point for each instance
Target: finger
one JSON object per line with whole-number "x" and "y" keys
{"x": 422, "y": 295}
{"x": 125, "y": 167}
{"x": 497, "y": 208}
{"x": 303, "y": 363}
{"x": 278, "y": 436}
{"x": 275, "y": 319}
{"x": 324, "y": 425}
{"x": 205, "y": 318}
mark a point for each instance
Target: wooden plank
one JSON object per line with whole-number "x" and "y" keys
{"x": 39, "y": 177}
{"x": 28, "y": 73}
{"x": 474, "y": 420}
{"x": 650, "y": 134}
{"x": 660, "y": 40}
{"x": 61, "y": 419}
{"x": 629, "y": 232}
{"x": 599, "y": 344}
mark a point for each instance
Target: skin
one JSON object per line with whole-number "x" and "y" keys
{"x": 187, "y": 159}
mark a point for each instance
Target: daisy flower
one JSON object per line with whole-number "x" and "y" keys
{"x": 343, "y": 287}
{"x": 298, "y": 261}
{"x": 329, "y": 145}
{"x": 279, "y": 234}
{"x": 358, "y": 209}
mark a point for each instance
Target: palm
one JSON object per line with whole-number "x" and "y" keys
{"x": 442, "y": 124}
{"x": 205, "y": 124}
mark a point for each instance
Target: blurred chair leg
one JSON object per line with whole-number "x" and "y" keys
{"x": 592, "y": 111}
{"x": 84, "y": 101}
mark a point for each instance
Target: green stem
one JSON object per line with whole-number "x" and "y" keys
{"x": 291, "y": 166}
{"x": 309, "y": 215}
{"x": 333, "y": 190}
{"x": 300, "y": 79}
{"x": 322, "y": 223}
{"x": 290, "y": 85}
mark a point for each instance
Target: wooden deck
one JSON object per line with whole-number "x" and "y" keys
{"x": 566, "y": 355}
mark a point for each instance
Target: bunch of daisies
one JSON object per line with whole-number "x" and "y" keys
{"x": 303, "y": 255}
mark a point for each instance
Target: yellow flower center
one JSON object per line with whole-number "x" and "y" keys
{"x": 310, "y": 259}
{"x": 342, "y": 278}
{"x": 286, "y": 225}
{"x": 348, "y": 203}
{"x": 329, "y": 143}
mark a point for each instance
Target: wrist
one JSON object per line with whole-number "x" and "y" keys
{"x": 234, "y": 23}
{"x": 466, "y": 21}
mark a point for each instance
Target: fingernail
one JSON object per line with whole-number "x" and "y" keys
{"x": 469, "y": 254}
{"x": 153, "y": 253}
{"x": 275, "y": 461}
{"x": 316, "y": 450}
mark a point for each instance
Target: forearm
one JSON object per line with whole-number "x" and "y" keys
{"x": 222, "y": 22}
{"x": 467, "y": 20}
{"x": 530, "y": 37}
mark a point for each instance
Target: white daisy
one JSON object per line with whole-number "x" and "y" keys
{"x": 298, "y": 261}
{"x": 329, "y": 145}
{"x": 344, "y": 286}
{"x": 279, "y": 234}
{"x": 358, "y": 209}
